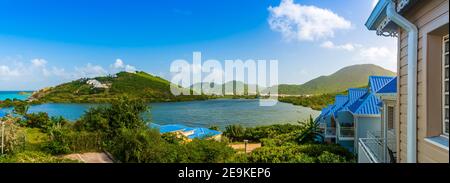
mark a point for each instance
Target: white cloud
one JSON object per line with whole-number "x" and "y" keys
{"x": 6, "y": 71}
{"x": 302, "y": 22}
{"x": 118, "y": 64}
{"x": 38, "y": 62}
{"x": 129, "y": 68}
{"x": 90, "y": 71}
{"x": 382, "y": 56}
{"x": 331, "y": 45}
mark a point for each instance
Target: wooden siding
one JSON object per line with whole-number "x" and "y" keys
{"x": 422, "y": 14}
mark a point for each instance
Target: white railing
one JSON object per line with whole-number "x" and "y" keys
{"x": 372, "y": 148}
{"x": 328, "y": 132}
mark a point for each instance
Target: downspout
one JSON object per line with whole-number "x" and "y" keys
{"x": 401, "y": 21}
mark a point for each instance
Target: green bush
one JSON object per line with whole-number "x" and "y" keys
{"x": 122, "y": 113}
{"x": 14, "y": 139}
{"x": 327, "y": 157}
{"x": 317, "y": 153}
{"x": 208, "y": 151}
{"x": 65, "y": 140}
{"x": 37, "y": 120}
{"x": 142, "y": 146}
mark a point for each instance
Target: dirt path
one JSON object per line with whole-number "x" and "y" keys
{"x": 241, "y": 147}
{"x": 90, "y": 157}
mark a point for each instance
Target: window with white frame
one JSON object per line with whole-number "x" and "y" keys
{"x": 445, "y": 79}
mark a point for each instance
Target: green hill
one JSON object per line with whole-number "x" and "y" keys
{"x": 103, "y": 89}
{"x": 348, "y": 77}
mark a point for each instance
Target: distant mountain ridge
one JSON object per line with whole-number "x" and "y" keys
{"x": 348, "y": 77}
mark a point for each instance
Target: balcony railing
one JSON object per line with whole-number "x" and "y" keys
{"x": 373, "y": 150}
{"x": 329, "y": 132}
{"x": 346, "y": 132}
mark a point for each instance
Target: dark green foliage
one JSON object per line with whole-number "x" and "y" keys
{"x": 64, "y": 140}
{"x": 142, "y": 146}
{"x": 20, "y": 107}
{"x": 147, "y": 146}
{"x": 208, "y": 151}
{"x": 313, "y": 153}
{"x": 213, "y": 127}
{"x": 238, "y": 133}
{"x": 37, "y": 120}
{"x": 235, "y": 132}
{"x": 122, "y": 113}
{"x": 310, "y": 132}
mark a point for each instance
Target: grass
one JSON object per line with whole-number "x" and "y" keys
{"x": 35, "y": 139}
{"x": 33, "y": 157}
{"x": 33, "y": 151}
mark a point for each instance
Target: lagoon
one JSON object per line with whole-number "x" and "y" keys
{"x": 218, "y": 112}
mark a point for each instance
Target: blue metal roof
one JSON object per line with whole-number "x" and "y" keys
{"x": 367, "y": 106}
{"x": 390, "y": 87}
{"x": 377, "y": 82}
{"x": 201, "y": 133}
{"x": 198, "y": 132}
{"x": 353, "y": 95}
{"x": 339, "y": 102}
{"x": 169, "y": 128}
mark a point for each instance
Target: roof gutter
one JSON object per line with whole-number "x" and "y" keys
{"x": 412, "y": 79}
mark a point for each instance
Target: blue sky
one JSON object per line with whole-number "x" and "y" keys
{"x": 44, "y": 43}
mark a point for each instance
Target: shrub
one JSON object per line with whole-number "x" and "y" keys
{"x": 64, "y": 140}
{"x": 327, "y": 157}
{"x": 234, "y": 132}
{"x": 122, "y": 113}
{"x": 296, "y": 154}
{"x": 141, "y": 146}
{"x": 37, "y": 120}
{"x": 208, "y": 151}
{"x": 14, "y": 138}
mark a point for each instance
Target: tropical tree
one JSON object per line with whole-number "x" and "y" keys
{"x": 21, "y": 108}
{"x": 310, "y": 132}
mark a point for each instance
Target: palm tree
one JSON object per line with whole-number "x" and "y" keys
{"x": 310, "y": 132}
{"x": 21, "y": 108}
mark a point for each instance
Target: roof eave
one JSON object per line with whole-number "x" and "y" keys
{"x": 377, "y": 15}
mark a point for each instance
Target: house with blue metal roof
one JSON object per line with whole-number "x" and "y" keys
{"x": 190, "y": 133}
{"x": 330, "y": 120}
{"x": 354, "y": 115}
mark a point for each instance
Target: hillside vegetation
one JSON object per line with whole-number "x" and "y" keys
{"x": 135, "y": 85}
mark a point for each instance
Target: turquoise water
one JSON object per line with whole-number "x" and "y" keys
{"x": 13, "y": 95}
{"x": 221, "y": 112}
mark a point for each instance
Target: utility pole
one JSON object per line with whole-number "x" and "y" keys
{"x": 245, "y": 146}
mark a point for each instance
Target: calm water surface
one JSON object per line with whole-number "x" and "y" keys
{"x": 220, "y": 112}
